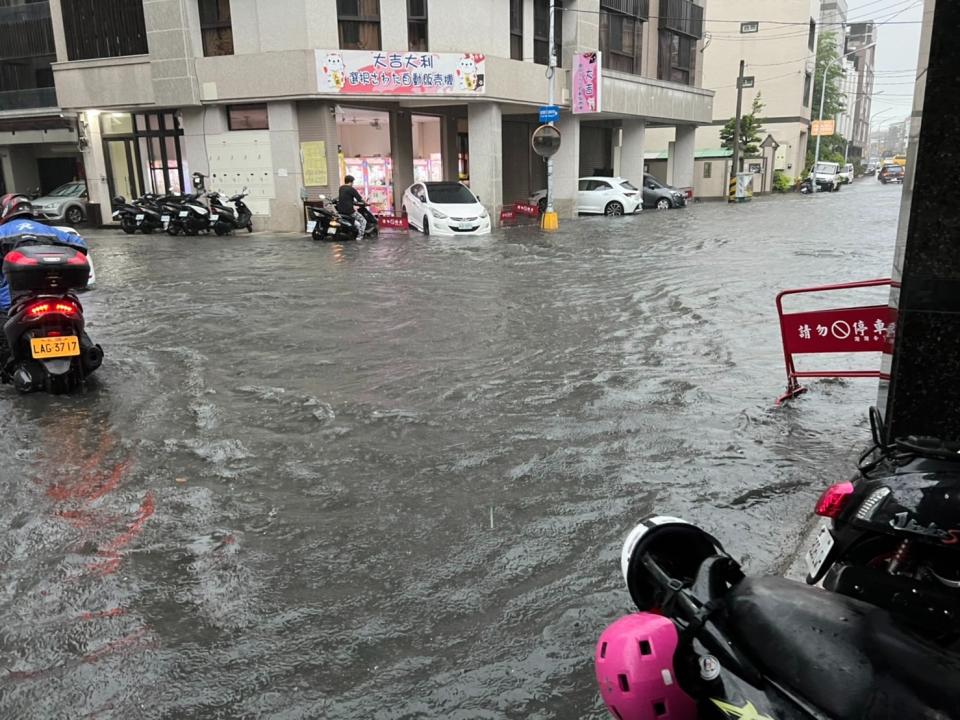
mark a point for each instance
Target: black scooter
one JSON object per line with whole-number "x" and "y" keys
{"x": 186, "y": 215}
{"x": 893, "y": 536}
{"x": 47, "y": 347}
{"x": 770, "y": 648}
{"x": 143, "y": 214}
{"x": 225, "y": 219}
{"x": 328, "y": 223}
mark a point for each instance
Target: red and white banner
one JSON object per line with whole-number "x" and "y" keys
{"x": 376, "y": 72}
{"x": 841, "y": 330}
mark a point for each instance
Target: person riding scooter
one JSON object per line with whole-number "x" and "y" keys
{"x": 347, "y": 202}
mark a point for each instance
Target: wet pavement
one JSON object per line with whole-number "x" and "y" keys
{"x": 390, "y": 479}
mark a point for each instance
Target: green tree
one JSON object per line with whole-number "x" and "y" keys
{"x": 834, "y": 101}
{"x": 751, "y": 127}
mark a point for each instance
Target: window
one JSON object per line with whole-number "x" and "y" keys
{"x": 707, "y": 170}
{"x": 541, "y": 31}
{"x": 621, "y": 30}
{"x": 677, "y": 58}
{"x": 811, "y": 38}
{"x": 417, "y": 25}
{"x": 247, "y": 117}
{"x": 215, "y": 27}
{"x": 359, "y": 23}
{"x": 807, "y": 81}
{"x": 119, "y": 28}
{"x": 749, "y": 27}
{"x": 516, "y": 29}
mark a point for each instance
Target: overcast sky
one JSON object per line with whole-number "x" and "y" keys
{"x": 897, "y": 50}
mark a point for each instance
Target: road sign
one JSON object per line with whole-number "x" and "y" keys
{"x": 545, "y": 141}
{"x": 549, "y": 114}
{"x": 823, "y": 128}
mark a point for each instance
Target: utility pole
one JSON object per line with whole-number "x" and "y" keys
{"x": 550, "y": 220}
{"x": 736, "y": 138}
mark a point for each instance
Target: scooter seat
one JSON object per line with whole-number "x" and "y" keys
{"x": 848, "y": 658}
{"x": 806, "y": 639}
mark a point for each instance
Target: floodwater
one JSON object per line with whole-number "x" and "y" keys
{"x": 391, "y": 479}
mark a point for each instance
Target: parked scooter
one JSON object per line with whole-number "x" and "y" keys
{"x": 709, "y": 642}
{"x": 142, "y": 214}
{"x": 187, "y": 215}
{"x": 225, "y": 219}
{"x": 47, "y": 347}
{"x": 893, "y": 538}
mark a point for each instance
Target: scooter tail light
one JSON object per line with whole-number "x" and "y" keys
{"x": 15, "y": 257}
{"x": 60, "y": 307}
{"x": 831, "y": 503}
{"x": 78, "y": 259}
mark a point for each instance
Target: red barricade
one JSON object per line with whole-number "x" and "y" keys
{"x": 868, "y": 328}
{"x": 393, "y": 222}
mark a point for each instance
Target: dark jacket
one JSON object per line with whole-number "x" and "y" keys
{"x": 347, "y": 199}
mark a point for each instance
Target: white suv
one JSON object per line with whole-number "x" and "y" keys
{"x": 846, "y": 175}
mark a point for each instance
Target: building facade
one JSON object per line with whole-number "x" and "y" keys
{"x": 860, "y": 36}
{"x": 779, "y": 64}
{"x": 285, "y": 97}
{"x": 38, "y": 144}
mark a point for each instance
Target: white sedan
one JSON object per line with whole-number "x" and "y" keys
{"x": 600, "y": 195}
{"x": 445, "y": 208}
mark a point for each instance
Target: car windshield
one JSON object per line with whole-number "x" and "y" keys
{"x": 627, "y": 185}
{"x": 826, "y": 168}
{"x": 650, "y": 182}
{"x": 450, "y": 194}
{"x": 68, "y": 190}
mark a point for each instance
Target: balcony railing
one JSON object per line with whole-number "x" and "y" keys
{"x": 639, "y": 9}
{"x": 28, "y": 99}
{"x": 681, "y": 16}
{"x": 26, "y": 31}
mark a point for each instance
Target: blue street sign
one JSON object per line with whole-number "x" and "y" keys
{"x": 549, "y": 113}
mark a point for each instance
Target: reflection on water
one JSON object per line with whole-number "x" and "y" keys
{"x": 390, "y": 478}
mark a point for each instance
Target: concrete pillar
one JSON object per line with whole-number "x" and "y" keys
{"x": 94, "y": 164}
{"x": 59, "y": 34}
{"x": 171, "y": 54}
{"x": 286, "y": 207}
{"x": 923, "y": 397}
{"x": 631, "y": 151}
{"x": 528, "y": 30}
{"x": 401, "y": 148}
{"x": 566, "y": 166}
{"x": 682, "y": 157}
{"x": 485, "y": 127}
{"x": 581, "y": 28}
{"x": 616, "y": 139}
{"x": 448, "y": 140}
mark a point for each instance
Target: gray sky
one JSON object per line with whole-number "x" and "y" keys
{"x": 897, "y": 49}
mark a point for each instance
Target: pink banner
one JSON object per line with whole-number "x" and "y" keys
{"x": 362, "y": 72}
{"x": 586, "y": 83}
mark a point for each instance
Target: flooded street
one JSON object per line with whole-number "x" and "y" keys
{"x": 391, "y": 479}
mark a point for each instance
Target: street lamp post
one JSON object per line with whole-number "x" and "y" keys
{"x": 823, "y": 95}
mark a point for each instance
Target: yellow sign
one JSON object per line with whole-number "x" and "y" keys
{"x": 823, "y": 127}
{"x": 314, "y": 155}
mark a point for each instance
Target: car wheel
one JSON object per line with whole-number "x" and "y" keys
{"x": 664, "y": 204}
{"x": 542, "y": 204}
{"x": 426, "y": 225}
{"x": 613, "y": 209}
{"x": 74, "y": 216}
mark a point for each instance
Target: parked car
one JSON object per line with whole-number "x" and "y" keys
{"x": 827, "y": 176}
{"x": 846, "y": 175}
{"x": 68, "y": 203}
{"x": 445, "y": 208}
{"x": 660, "y": 196}
{"x": 891, "y": 173}
{"x": 613, "y": 196}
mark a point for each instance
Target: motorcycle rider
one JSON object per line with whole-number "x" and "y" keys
{"x": 18, "y": 226}
{"x": 347, "y": 200}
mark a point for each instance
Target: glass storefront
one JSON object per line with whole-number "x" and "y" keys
{"x": 143, "y": 154}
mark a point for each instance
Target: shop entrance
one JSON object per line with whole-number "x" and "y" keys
{"x": 427, "y": 148}
{"x": 143, "y": 154}
{"x": 365, "y": 153}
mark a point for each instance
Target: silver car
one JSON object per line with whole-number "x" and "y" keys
{"x": 68, "y": 203}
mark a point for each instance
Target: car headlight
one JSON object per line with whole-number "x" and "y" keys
{"x": 483, "y": 214}
{"x": 437, "y": 214}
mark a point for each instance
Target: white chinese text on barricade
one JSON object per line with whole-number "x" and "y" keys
{"x": 362, "y": 72}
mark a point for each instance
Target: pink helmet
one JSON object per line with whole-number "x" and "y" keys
{"x": 634, "y": 664}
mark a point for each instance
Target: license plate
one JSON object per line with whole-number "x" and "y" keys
{"x": 139, "y": 217}
{"x": 165, "y": 218}
{"x": 214, "y": 218}
{"x": 465, "y": 226}
{"x": 331, "y": 231}
{"x": 184, "y": 213}
{"x": 55, "y": 347}
{"x": 819, "y": 550}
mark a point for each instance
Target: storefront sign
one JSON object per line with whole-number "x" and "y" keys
{"x": 314, "y": 159}
{"x": 362, "y": 72}
{"x": 823, "y": 128}
{"x": 394, "y": 222}
{"x": 586, "y": 83}
{"x": 525, "y": 209}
